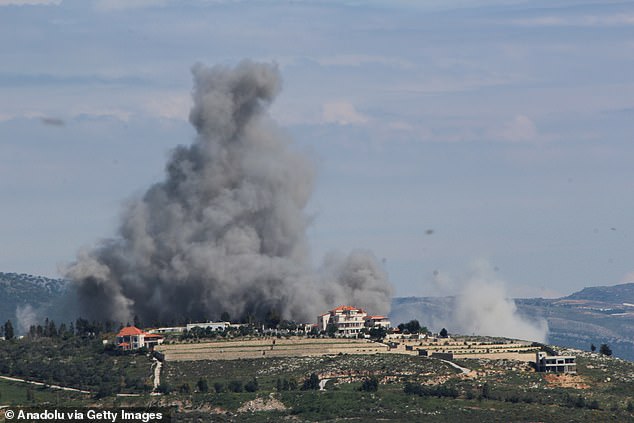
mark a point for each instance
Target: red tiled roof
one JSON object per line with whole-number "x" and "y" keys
{"x": 130, "y": 331}
{"x": 375, "y": 317}
{"x": 346, "y": 308}
{"x": 153, "y": 335}
{"x": 124, "y": 344}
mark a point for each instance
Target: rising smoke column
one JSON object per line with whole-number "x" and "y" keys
{"x": 226, "y": 229}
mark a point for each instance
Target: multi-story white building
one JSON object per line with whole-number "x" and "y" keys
{"x": 349, "y": 321}
{"x": 555, "y": 363}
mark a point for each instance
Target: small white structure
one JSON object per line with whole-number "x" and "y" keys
{"x": 216, "y": 326}
{"x": 173, "y": 329}
{"x": 555, "y": 363}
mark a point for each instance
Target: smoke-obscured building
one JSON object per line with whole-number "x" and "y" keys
{"x": 349, "y": 320}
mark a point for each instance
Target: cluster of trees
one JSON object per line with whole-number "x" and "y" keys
{"x": 604, "y": 349}
{"x": 79, "y": 363}
{"x": 512, "y": 396}
{"x": 7, "y": 330}
{"x": 285, "y": 384}
{"x": 210, "y": 333}
{"x": 580, "y": 402}
{"x": 413, "y": 326}
{"x": 430, "y": 390}
{"x": 81, "y": 327}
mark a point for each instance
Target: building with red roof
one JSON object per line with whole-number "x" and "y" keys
{"x": 133, "y": 338}
{"x": 349, "y": 321}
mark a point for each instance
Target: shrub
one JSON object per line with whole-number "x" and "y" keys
{"x": 370, "y": 385}
{"x": 312, "y": 382}
{"x": 236, "y": 386}
{"x": 202, "y": 385}
{"x": 219, "y": 387}
{"x": 252, "y": 385}
{"x": 164, "y": 388}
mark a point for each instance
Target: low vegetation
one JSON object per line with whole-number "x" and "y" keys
{"x": 391, "y": 386}
{"x": 77, "y": 362}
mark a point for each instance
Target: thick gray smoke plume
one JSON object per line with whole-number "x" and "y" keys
{"x": 226, "y": 229}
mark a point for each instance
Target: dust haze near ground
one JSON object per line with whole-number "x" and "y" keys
{"x": 474, "y": 304}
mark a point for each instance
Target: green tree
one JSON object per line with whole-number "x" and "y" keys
{"x": 219, "y": 387}
{"x": 593, "y": 347}
{"x": 164, "y": 388}
{"x": 8, "y": 330}
{"x": 312, "y": 382}
{"x": 413, "y": 326}
{"x": 486, "y": 391}
{"x": 331, "y": 330}
{"x": 236, "y": 386}
{"x": 225, "y": 317}
{"x": 370, "y": 384}
{"x": 202, "y": 385}
{"x": 443, "y": 333}
{"x": 378, "y": 333}
{"x": 252, "y": 385}
{"x": 605, "y": 350}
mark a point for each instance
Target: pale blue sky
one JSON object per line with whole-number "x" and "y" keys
{"x": 503, "y": 126}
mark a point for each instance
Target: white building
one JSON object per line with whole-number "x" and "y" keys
{"x": 349, "y": 321}
{"x": 172, "y": 329}
{"x": 216, "y": 326}
{"x": 555, "y": 363}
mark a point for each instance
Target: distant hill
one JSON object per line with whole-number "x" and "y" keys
{"x": 617, "y": 294}
{"x": 594, "y": 315}
{"x": 43, "y": 294}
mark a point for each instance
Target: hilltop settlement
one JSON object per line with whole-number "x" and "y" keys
{"x": 347, "y": 364}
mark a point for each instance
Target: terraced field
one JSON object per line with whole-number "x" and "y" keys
{"x": 268, "y": 347}
{"x": 469, "y": 347}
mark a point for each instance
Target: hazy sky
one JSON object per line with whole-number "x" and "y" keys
{"x": 458, "y": 131}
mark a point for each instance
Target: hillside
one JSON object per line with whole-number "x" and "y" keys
{"x": 392, "y": 386}
{"x": 617, "y": 294}
{"x": 593, "y": 315}
{"x": 42, "y": 294}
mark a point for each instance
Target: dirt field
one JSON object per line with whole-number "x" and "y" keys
{"x": 268, "y": 347}
{"x": 566, "y": 381}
